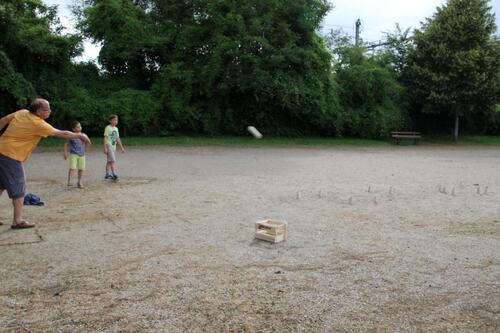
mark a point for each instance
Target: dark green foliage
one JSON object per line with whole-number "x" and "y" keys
{"x": 138, "y": 111}
{"x": 371, "y": 100}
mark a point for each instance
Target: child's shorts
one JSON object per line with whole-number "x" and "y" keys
{"x": 111, "y": 154}
{"x": 76, "y": 162}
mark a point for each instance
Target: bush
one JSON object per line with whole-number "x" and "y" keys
{"x": 137, "y": 110}
{"x": 371, "y": 99}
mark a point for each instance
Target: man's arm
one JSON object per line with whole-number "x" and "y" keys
{"x": 70, "y": 135}
{"x": 4, "y": 122}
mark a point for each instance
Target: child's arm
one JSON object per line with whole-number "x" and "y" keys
{"x": 87, "y": 146}
{"x": 120, "y": 144}
{"x": 105, "y": 141}
{"x": 66, "y": 150}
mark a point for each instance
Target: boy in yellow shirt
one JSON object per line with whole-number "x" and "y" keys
{"x": 26, "y": 128}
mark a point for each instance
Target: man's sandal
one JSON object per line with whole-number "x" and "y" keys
{"x": 22, "y": 225}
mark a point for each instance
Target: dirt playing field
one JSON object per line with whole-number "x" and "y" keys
{"x": 388, "y": 239}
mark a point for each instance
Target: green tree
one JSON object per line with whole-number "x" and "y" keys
{"x": 126, "y": 35}
{"x": 399, "y": 44}
{"x": 218, "y": 65}
{"x": 453, "y": 66}
{"x": 15, "y": 89}
{"x": 34, "y": 56}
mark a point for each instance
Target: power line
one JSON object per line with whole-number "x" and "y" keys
{"x": 336, "y": 26}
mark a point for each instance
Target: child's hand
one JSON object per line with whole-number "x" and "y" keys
{"x": 65, "y": 156}
{"x": 123, "y": 150}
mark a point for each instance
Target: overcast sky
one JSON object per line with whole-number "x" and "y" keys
{"x": 377, "y": 17}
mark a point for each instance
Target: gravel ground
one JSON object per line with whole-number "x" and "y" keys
{"x": 392, "y": 239}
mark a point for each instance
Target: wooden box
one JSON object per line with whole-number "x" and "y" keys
{"x": 271, "y": 230}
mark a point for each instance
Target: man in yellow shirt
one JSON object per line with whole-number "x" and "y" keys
{"x": 26, "y": 128}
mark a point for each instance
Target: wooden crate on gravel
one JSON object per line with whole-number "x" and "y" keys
{"x": 271, "y": 230}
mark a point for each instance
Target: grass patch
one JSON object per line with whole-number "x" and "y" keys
{"x": 479, "y": 140}
{"x": 281, "y": 141}
{"x": 486, "y": 229}
{"x": 230, "y": 141}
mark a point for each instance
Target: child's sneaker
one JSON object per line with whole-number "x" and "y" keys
{"x": 108, "y": 176}
{"x": 114, "y": 176}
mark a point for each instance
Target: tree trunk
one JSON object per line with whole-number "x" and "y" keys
{"x": 455, "y": 137}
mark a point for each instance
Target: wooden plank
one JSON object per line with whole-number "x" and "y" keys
{"x": 271, "y": 230}
{"x": 273, "y": 226}
{"x": 270, "y": 238}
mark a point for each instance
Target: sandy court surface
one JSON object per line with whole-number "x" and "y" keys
{"x": 388, "y": 239}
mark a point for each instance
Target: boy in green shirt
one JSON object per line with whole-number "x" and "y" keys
{"x": 111, "y": 138}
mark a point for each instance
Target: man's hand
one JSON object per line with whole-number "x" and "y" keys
{"x": 65, "y": 156}
{"x": 85, "y": 138}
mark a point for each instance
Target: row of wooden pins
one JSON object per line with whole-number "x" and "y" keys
{"x": 441, "y": 189}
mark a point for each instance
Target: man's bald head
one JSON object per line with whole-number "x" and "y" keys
{"x": 39, "y": 104}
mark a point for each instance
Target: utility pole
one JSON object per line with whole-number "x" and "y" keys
{"x": 358, "y": 25}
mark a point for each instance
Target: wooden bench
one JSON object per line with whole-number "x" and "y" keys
{"x": 398, "y": 136}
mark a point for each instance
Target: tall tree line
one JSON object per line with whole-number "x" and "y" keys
{"x": 216, "y": 66}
